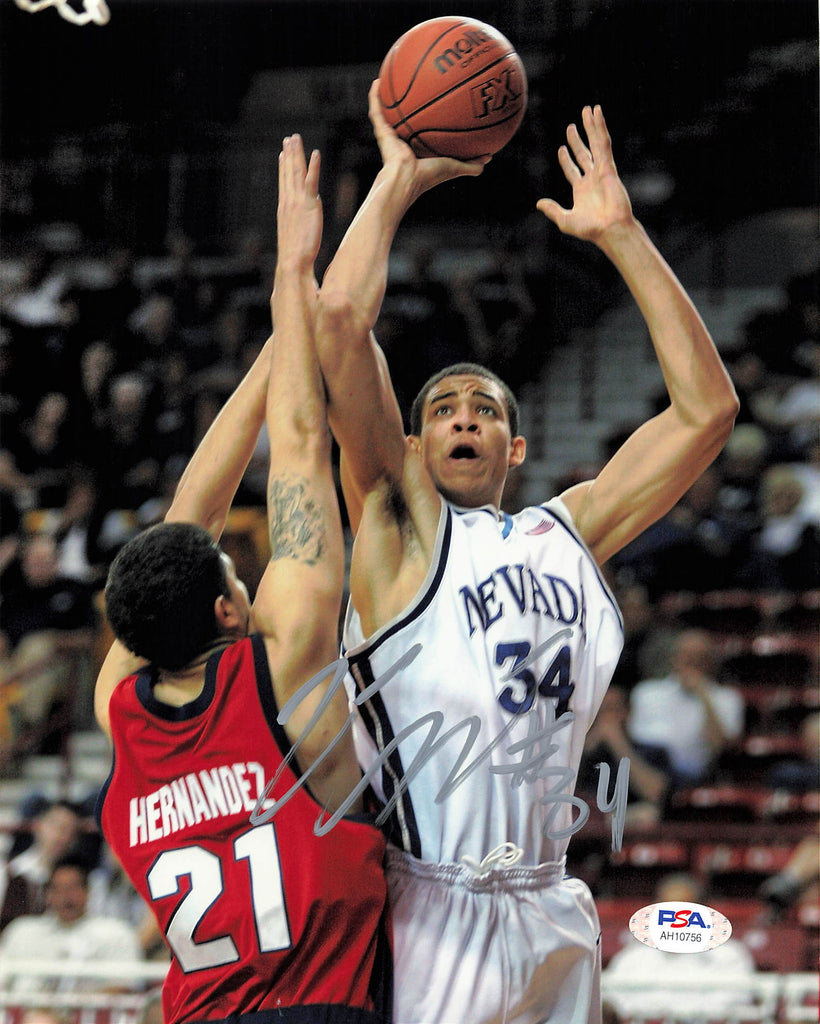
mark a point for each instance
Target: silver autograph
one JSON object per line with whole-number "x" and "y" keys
{"x": 535, "y": 749}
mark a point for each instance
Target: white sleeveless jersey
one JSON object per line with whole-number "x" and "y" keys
{"x": 503, "y": 659}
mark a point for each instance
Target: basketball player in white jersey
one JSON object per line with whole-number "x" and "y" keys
{"x": 506, "y": 632}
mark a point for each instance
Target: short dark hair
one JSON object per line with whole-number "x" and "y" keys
{"x": 73, "y": 861}
{"x": 457, "y": 370}
{"x": 161, "y": 590}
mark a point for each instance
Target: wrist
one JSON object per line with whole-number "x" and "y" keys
{"x": 395, "y": 187}
{"x": 619, "y": 237}
{"x": 292, "y": 268}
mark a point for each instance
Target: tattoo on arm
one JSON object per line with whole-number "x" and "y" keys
{"x": 297, "y": 526}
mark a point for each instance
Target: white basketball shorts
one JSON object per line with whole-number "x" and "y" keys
{"x": 515, "y": 945}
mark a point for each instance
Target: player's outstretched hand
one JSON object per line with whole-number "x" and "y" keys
{"x": 427, "y": 171}
{"x": 299, "y": 210}
{"x": 599, "y": 199}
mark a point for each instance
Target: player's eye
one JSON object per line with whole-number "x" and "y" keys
{"x": 486, "y": 410}
{"x": 441, "y": 409}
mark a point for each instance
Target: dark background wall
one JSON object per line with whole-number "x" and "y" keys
{"x": 163, "y": 109}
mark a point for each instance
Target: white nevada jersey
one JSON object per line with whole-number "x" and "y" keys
{"x": 508, "y": 649}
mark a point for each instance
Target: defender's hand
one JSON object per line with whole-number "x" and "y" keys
{"x": 299, "y": 210}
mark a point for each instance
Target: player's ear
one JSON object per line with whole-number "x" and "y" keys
{"x": 518, "y": 451}
{"x": 413, "y": 442}
{"x": 226, "y": 613}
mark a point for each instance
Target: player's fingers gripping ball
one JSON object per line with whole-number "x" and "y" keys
{"x": 453, "y": 87}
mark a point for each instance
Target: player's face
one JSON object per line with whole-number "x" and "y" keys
{"x": 238, "y": 593}
{"x": 465, "y": 440}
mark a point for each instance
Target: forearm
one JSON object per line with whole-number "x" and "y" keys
{"x": 296, "y": 403}
{"x": 362, "y": 407}
{"x": 207, "y": 487}
{"x": 699, "y": 387}
{"x": 357, "y": 276}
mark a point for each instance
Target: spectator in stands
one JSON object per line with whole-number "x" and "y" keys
{"x": 172, "y": 409}
{"x": 10, "y": 520}
{"x": 152, "y": 1010}
{"x": 799, "y": 876}
{"x": 800, "y": 774}
{"x": 124, "y": 452}
{"x": 741, "y": 464}
{"x": 67, "y": 932}
{"x": 216, "y": 361}
{"x": 111, "y": 894}
{"x": 688, "y": 713}
{"x": 180, "y": 279}
{"x": 785, "y": 553}
{"x": 786, "y": 337}
{"x": 45, "y": 618}
{"x": 77, "y": 529}
{"x": 695, "y": 547}
{"x": 657, "y": 975}
{"x": 41, "y": 452}
{"x": 89, "y": 398}
{"x": 498, "y": 311}
{"x": 55, "y": 831}
{"x": 608, "y": 742}
{"x": 646, "y": 640}
{"x": 419, "y": 324}
{"x": 153, "y": 331}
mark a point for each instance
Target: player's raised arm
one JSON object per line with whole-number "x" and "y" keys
{"x": 207, "y": 487}
{"x": 298, "y": 600}
{"x": 204, "y": 493}
{"x": 363, "y": 411}
{"x": 661, "y": 460}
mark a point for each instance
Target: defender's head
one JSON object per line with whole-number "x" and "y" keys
{"x": 466, "y": 421}
{"x": 172, "y": 592}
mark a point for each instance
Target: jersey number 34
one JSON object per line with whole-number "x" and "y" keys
{"x": 519, "y": 695}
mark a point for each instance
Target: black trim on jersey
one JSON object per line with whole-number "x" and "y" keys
{"x": 98, "y": 803}
{"x": 423, "y": 603}
{"x": 270, "y": 709}
{"x": 401, "y": 829}
{"x": 568, "y": 529}
{"x": 374, "y": 713}
{"x": 318, "y": 1013}
{"x": 381, "y": 980}
{"x": 148, "y": 678}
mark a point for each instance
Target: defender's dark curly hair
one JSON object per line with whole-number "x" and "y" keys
{"x": 161, "y": 590}
{"x": 457, "y": 369}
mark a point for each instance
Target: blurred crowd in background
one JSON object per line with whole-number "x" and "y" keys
{"x": 114, "y": 364}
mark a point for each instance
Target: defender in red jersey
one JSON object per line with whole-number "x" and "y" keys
{"x": 268, "y": 922}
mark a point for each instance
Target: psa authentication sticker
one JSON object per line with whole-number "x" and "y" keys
{"x": 680, "y": 927}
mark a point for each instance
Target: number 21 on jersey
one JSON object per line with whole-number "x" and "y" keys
{"x": 258, "y": 847}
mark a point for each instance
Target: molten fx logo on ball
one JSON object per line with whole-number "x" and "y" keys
{"x": 453, "y": 87}
{"x": 494, "y": 94}
{"x": 464, "y": 51}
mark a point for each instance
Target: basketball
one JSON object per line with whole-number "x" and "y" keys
{"x": 453, "y": 87}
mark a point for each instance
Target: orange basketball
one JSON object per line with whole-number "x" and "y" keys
{"x": 453, "y": 87}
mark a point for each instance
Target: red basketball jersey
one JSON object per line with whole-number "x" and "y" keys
{"x": 257, "y": 918}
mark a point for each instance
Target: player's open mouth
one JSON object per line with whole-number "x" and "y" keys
{"x": 463, "y": 451}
